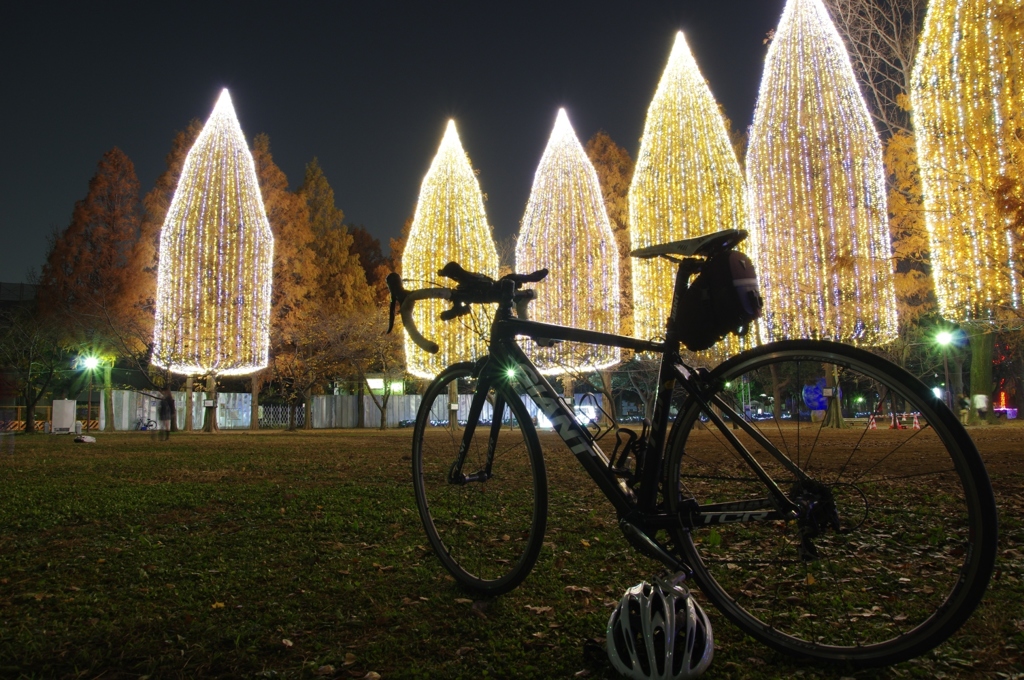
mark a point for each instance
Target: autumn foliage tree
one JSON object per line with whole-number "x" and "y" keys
{"x": 614, "y": 168}
{"x": 342, "y": 280}
{"x": 88, "y": 277}
{"x": 294, "y": 304}
{"x": 91, "y": 284}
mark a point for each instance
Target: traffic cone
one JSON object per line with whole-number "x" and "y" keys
{"x": 917, "y": 425}
{"x": 895, "y": 424}
{"x": 871, "y": 424}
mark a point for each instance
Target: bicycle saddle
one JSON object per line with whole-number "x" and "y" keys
{"x": 699, "y": 246}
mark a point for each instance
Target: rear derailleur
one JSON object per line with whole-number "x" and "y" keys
{"x": 818, "y": 513}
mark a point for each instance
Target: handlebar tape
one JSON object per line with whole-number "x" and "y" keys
{"x": 406, "y": 300}
{"x": 407, "y": 320}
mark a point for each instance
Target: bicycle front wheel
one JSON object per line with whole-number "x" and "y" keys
{"x": 486, "y": 524}
{"x": 898, "y": 532}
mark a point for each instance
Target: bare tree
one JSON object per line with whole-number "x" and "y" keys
{"x": 359, "y": 342}
{"x": 31, "y": 354}
{"x": 881, "y": 36}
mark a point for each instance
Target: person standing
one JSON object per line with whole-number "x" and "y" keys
{"x": 981, "y": 406}
{"x": 166, "y": 413}
{"x": 965, "y": 407}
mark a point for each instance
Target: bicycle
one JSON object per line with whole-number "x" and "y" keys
{"x": 145, "y": 424}
{"x": 837, "y": 544}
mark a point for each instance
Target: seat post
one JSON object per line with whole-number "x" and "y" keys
{"x": 666, "y": 381}
{"x": 687, "y": 268}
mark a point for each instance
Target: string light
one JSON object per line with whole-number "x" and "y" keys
{"x": 817, "y": 193}
{"x": 566, "y": 230}
{"x": 449, "y": 224}
{"x": 968, "y": 103}
{"x": 216, "y": 259}
{"x": 687, "y": 183}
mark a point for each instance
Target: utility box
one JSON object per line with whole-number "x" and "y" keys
{"x": 64, "y": 415}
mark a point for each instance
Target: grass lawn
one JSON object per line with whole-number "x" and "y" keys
{"x": 301, "y": 555}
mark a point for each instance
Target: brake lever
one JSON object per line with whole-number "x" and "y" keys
{"x": 398, "y": 293}
{"x": 458, "y": 309}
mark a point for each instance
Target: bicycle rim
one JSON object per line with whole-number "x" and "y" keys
{"x": 488, "y": 534}
{"x": 917, "y": 520}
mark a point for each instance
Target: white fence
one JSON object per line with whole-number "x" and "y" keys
{"x": 340, "y": 410}
{"x": 329, "y": 411}
{"x": 132, "y": 409}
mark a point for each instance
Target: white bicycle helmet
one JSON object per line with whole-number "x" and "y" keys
{"x": 659, "y": 632}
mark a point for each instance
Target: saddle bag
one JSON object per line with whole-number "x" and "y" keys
{"x": 723, "y": 299}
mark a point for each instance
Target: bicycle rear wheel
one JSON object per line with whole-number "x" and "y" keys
{"x": 486, "y": 532}
{"x": 916, "y": 517}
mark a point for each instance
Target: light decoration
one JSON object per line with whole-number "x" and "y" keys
{"x": 565, "y": 229}
{"x": 967, "y": 93}
{"x": 687, "y": 183}
{"x": 816, "y": 191}
{"x": 216, "y": 259}
{"x": 449, "y": 224}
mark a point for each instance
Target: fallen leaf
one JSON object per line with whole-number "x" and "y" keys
{"x": 287, "y": 643}
{"x": 810, "y": 579}
{"x": 538, "y": 610}
{"x": 350, "y": 659}
{"x": 463, "y": 600}
{"x": 325, "y": 670}
{"x": 372, "y": 675}
{"x": 218, "y": 605}
{"x": 464, "y": 650}
{"x": 585, "y": 543}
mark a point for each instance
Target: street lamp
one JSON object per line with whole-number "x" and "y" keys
{"x": 90, "y": 364}
{"x": 944, "y": 338}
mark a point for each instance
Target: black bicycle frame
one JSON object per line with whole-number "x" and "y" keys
{"x": 639, "y": 515}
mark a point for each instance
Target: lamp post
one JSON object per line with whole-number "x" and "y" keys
{"x": 944, "y": 338}
{"x": 91, "y": 364}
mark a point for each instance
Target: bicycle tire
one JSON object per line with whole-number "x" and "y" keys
{"x": 487, "y": 534}
{"x": 918, "y": 520}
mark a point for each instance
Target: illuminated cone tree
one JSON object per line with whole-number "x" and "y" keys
{"x": 817, "y": 194}
{"x": 967, "y": 93}
{"x": 968, "y": 106}
{"x": 216, "y": 259}
{"x": 566, "y": 230}
{"x": 449, "y": 225}
{"x": 687, "y": 183}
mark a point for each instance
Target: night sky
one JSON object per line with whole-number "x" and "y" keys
{"x": 365, "y": 87}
